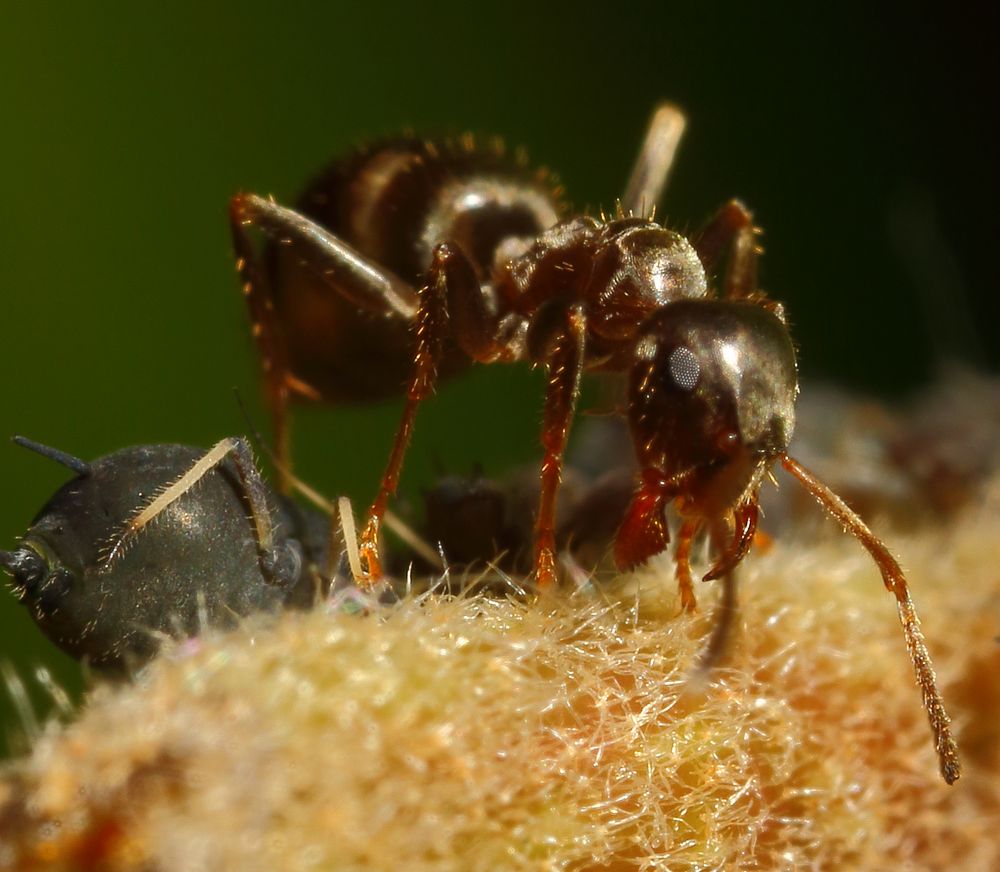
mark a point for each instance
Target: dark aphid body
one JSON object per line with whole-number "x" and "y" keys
{"x": 412, "y": 257}
{"x": 478, "y": 521}
{"x": 107, "y": 593}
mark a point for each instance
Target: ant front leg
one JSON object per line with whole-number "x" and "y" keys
{"x": 731, "y": 231}
{"x": 682, "y": 559}
{"x": 278, "y": 565}
{"x": 649, "y": 174}
{"x": 452, "y": 302}
{"x": 335, "y": 263}
{"x": 564, "y": 365}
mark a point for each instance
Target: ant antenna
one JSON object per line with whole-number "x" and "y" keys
{"x": 80, "y": 467}
{"x": 895, "y": 582}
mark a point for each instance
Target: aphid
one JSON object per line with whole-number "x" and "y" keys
{"x": 478, "y": 521}
{"x": 153, "y": 540}
{"x": 416, "y": 257}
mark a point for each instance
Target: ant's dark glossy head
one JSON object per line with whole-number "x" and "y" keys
{"x": 711, "y": 406}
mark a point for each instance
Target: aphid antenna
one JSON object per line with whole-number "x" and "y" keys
{"x": 80, "y": 467}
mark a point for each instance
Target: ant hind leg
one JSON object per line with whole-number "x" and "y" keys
{"x": 343, "y": 269}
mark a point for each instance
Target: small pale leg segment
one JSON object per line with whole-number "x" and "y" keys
{"x": 253, "y": 487}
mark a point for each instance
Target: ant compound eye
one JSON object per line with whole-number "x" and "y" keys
{"x": 684, "y": 368}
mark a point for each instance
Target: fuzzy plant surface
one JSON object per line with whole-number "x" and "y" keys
{"x": 489, "y": 733}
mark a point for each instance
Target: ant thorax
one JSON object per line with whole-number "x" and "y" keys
{"x": 621, "y": 270}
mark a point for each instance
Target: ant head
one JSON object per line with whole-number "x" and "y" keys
{"x": 712, "y": 396}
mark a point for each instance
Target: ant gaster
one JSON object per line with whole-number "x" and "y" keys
{"x": 412, "y": 257}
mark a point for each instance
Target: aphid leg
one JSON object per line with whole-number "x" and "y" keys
{"x": 276, "y": 567}
{"x": 682, "y": 559}
{"x": 347, "y": 272}
{"x": 649, "y": 173}
{"x": 564, "y": 366}
{"x": 730, "y": 232}
{"x": 892, "y": 577}
{"x": 451, "y": 285}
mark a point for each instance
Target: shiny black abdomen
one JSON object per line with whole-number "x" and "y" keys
{"x": 393, "y": 202}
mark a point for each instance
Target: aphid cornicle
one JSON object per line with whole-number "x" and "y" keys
{"x": 151, "y": 540}
{"x": 412, "y": 257}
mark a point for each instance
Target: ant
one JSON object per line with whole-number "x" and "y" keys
{"x": 105, "y": 583}
{"x": 410, "y": 258}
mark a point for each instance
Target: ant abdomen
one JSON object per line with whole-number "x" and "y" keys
{"x": 395, "y": 200}
{"x": 392, "y": 202}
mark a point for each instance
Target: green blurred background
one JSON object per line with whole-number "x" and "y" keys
{"x": 858, "y": 136}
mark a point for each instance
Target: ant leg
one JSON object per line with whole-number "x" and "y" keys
{"x": 272, "y": 566}
{"x": 451, "y": 278}
{"x": 682, "y": 557}
{"x": 267, "y": 334}
{"x": 346, "y": 271}
{"x": 731, "y": 231}
{"x": 745, "y": 519}
{"x": 564, "y": 365}
{"x": 644, "y": 532}
{"x": 649, "y": 173}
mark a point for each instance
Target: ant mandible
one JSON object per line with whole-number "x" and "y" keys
{"x": 416, "y": 257}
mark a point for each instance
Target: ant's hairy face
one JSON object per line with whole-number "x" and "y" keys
{"x": 713, "y": 389}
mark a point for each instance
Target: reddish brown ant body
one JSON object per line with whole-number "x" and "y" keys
{"x": 411, "y": 257}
